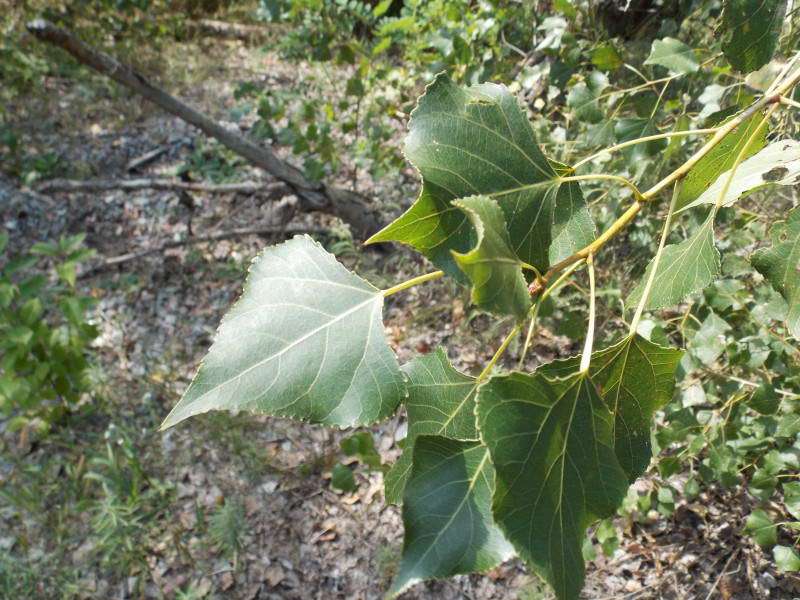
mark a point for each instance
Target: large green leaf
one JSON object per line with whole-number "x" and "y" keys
{"x": 674, "y": 55}
{"x": 780, "y": 264}
{"x": 552, "y": 444}
{"x": 684, "y": 268}
{"x": 441, "y": 402}
{"x": 477, "y": 141}
{"x": 492, "y": 266}
{"x": 304, "y": 341}
{"x": 447, "y": 513}
{"x": 720, "y": 159}
{"x": 777, "y": 164}
{"x": 753, "y": 28}
{"x": 635, "y": 377}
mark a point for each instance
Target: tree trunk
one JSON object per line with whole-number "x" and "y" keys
{"x": 352, "y": 208}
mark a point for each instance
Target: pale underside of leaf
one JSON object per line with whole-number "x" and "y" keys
{"x": 635, "y": 378}
{"x": 441, "y": 402}
{"x": 477, "y": 141}
{"x": 304, "y": 341}
{"x": 776, "y": 164}
{"x": 684, "y": 268}
{"x": 780, "y": 265}
{"x": 447, "y": 513}
{"x": 721, "y": 158}
{"x": 551, "y": 442}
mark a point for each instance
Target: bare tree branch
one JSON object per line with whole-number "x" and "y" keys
{"x": 273, "y": 189}
{"x": 348, "y": 206}
{"x": 198, "y": 239}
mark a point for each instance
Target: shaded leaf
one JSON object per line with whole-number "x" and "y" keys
{"x": 441, "y": 402}
{"x": 635, "y": 377}
{"x": 674, "y": 55}
{"x": 583, "y": 103}
{"x": 551, "y": 442}
{"x": 777, "y": 164}
{"x": 684, "y": 268}
{"x": 753, "y": 28}
{"x": 304, "y": 341}
{"x": 720, "y": 159}
{"x": 780, "y": 265}
{"x": 709, "y": 341}
{"x": 447, "y": 513}
{"x": 492, "y": 266}
{"x": 477, "y": 141}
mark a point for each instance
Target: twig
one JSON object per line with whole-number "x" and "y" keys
{"x": 198, "y": 239}
{"x": 273, "y": 189}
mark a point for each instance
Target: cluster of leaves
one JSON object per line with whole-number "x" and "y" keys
{"x": 45, "y": 333}
{"x": 397, "y": 45}
{"x": 524, "y": 462}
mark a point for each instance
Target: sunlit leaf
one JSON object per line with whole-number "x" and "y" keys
{"x": 753, "y": 28}
{"x": 720, "y": 159}
{"x": 777, "y": 164}
{"x": 447, "y": 513}
{"x": 635, "y": 377}
{"x": 684, "y": 268}
{"x": 780, "y": 264}
{"x": 441, "y": 402}
{"x": 552, "y": 444}
{"x": 674, "y": 55}
{"x": 477, "y": 141}
{"x": 304, "y": 341}
{"x": 492, "y": 266}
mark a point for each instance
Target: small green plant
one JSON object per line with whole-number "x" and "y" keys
{"x": 44, "y": 333}
{"x": 226, "y": 526}
{"x": 523, "y": 462}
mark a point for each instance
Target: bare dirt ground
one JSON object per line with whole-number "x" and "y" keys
{"x": 158, "y": 314}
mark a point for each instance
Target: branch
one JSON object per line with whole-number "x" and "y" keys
{"x": 316, "y": 196}
{"x": 272, "y": 189}
{"x": 211, "y": 237}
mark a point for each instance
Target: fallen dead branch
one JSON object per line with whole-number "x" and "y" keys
{"x": 273, "y": 189}
{"x": 198, "y": 239}
{"x": 348, "y": 206}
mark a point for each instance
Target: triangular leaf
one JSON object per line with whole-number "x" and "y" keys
{"x": 477, "y": 141}
{"x": 551, "y": 442}
{"x": 447, "y": 513}
{"x": 304, "y": 341}
{"x": 777, "y": 164}
{"x": 780, "y": 264}
{"x": 635, "y": 377}
{"x": 720, "y": 159}
{"x": 441, "y": 402}
{"x": 492, "y": 266}
{"x": 683, "y": 269}
{"x": 674, "y": 55}
{"x": 753, "y": 28}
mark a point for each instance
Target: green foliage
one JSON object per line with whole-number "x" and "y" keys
{"x": 525, "y": 461}
{"x": 226, "y": 525}
{"x": 683, "y": 268}
{"x": 456, "y": 138}
{"x": 753, "y": 28}
{"x": 780, "y": 264}
{"x": 449, "y": 527}
{"x": 326, "y": 311}
{"x": 44, "y": 332}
